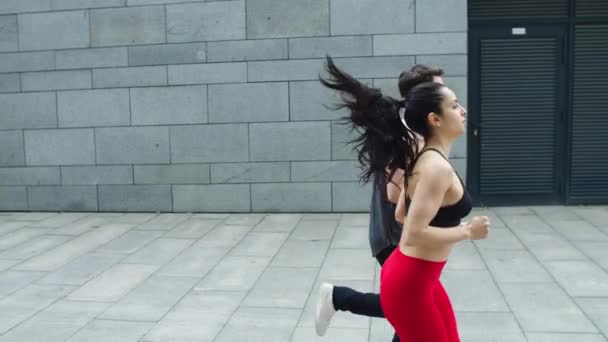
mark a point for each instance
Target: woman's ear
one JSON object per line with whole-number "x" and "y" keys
{"x": 433, "y": 119}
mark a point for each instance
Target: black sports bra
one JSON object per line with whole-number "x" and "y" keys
{"x": 450, "y": 215}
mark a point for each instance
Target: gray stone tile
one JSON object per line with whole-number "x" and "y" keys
{"x": 194, "y": 262}
{"x": 132, "y": 145}
{"x": 10, "y": 83}
{"x": 278, "y": 223}
{"x": 553, "y": 213}
{"x": 30, "y": 110}
{"x": 484, "y": 296}
{"x": 59, "y": 220}
{"x": 209, "y": 143}
{"x": 13, "y": 198}
{"x": 260, "y": 244}
{"x": 113, "y": 284}
{"x": 28, "y": 301}
{"x": 11, "y": 281}
{"x": 515, "y": 266}
{"x": 351, "y": 237}
{"x": 198, "y": 21}
{"x": 580, "y": 231}
{"x": 156, "y": 106}
{"x": 247, "y": 50}
{"x": 72, "y": 249}
{"x": 137, "y": 218}
{"x": 245, "y": 219}
{"x": 375, "y": 67}
{"x": 57, "y": 322}
{"x": 199, "y": 316}
{"x": 489, "y": 326}
{"x": 452, "y": 64}
{"x": 346, "y": 46}
{"x": 74, "y": 4}
{"x": 7, "y": 263}
{"x": 18, "y": 236}
{"x": 81, "y": 226}
{"x": 208, "y": 73}
{"x": 9, "y": 38}
{"x": 211, "y": 198}
{"x": 167, "y": 54}
{"x": 276, "y": 197}
{"x": 441, "y": 16}
{"x": 267, "y": 172}
{"x": 32, "y": 248}
{"x": 309, "y": 100}
{"x": 291, "y": 18}
{"x": 260, "y": 324}
{"x": 365, "y": 17}
{"x": 93, "y": 175}
{"x": 56, "y": 80}
{"x": 355, "y": 220}
{"x": 234, "y": 273}
{"x": 351, "y": 196}
{"x": 597, "y": 310}
{"x": 596, "y": 215}
{"x": 151, "y": 300}
{"x": 224, "y": 236}
{"x": 12, "y": 226}
{"x": 94, "y": 108}
{"x": 547, "y": 337}
{"x": 91, "y": 58}
{"x": 465, "y": 256}
{"x": 550, "y": 246}
{"x": 333, "y": 334}
{"x": 163, "y": 222}
{"x": 55, "y": 30}
{"x": 60, "y": 147}
{"x": 128, "y": 26}
{"x": 64, "y": 198}
{"x": 597, "y": 251}
{"x": 321, "y": 217}
{"x": 141, "y": 76}
{"x": 420, "y": 43}
{"x": 314, "y": 230}
{"x": 192, "y": 229}
{"x": 356, "y": 264}
{"x": 300, "y": 141}
{"x": 159, "y": 252}
{"x": 297, "y": 253}
{"x": 82, "y": 269}
{"x": 29, "y": 176}
{"x": 135, "y": 198}
{"x": 341, "y": 135}
{"x": 284, "y": 70}
{"x": 500, "y": 239}
{"x": 545, "y": 307}
{"x": 325, "y": 171}
{"x": 580, "y": 278}
{"x": 130, "y": 242}
{"x": 282, "y": 288}
{"x": 107, "y": 331}
{"x": 224, "y": 107}
{"x": 27, "y": 61}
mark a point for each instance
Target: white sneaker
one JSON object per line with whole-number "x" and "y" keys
{"x": 325, "y": 308}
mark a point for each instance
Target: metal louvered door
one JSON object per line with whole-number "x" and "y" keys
{"x": 517, "y": 100}
{"x": 589, "y": 149}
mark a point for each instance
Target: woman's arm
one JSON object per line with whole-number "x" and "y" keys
{"x": 394, "y": 186}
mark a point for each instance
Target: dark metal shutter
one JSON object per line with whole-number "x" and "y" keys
{"x": 517, "y": 9}
{"x": 591, "y": 8}
{"x": 517, "y": 117}
{"x": 589, "y": 149}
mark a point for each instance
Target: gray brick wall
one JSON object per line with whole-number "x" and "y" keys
{"x": 193, "y": 105}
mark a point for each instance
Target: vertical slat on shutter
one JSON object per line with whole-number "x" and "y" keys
{"x": 589, "y": 166}
{"x": 518, "y": 110}
{"x": 517, "y": 9}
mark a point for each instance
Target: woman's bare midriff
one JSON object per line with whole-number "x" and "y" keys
{"x": 437, "y": 254}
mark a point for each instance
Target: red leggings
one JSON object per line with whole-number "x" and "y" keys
{"x": 414, "y": 301}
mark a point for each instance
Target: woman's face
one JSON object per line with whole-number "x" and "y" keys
{"x": 452, "y": 120}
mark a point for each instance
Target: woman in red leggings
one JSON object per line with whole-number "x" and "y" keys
{"x": 433, "y": 196}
